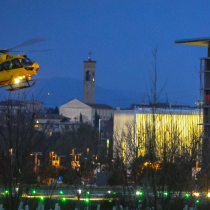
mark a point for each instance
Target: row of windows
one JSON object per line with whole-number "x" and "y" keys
{"x": 55, "y": 126}
{"x": 15, "y": 63}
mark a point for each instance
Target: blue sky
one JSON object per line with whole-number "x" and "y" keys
{"x": 121, "y": 35}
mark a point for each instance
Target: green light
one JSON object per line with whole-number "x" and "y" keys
{"x": 114, "y": 193}
{"x": 140, "y": 201}
{"x": 6, "y": 192}
{"x": 33, "y": 192}
{"x": 139, "y": 193}
{"x": 186, "y": 195}
{"x": 61, "y": 192}
{"x": 165, "y": 193}
{"x": 197, "y": 201}
{"x": 63, "y": 199}
{"x": 87, "y": 200}
{"x": 41, "y": 198}
{"x": 88, "y": 193}
{"x": 110, "y": 201}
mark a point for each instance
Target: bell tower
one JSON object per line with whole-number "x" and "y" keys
{"x": 89, "y": 81}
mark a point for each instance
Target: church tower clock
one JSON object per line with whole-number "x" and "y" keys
{"x": 89, "y": 81}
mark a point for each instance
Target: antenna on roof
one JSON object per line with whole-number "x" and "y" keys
{"x": 89, "y": 58}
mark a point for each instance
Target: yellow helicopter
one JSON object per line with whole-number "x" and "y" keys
{"x": 16, "y": 71}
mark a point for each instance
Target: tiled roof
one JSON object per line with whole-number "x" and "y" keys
{"x": 100, "y": 106}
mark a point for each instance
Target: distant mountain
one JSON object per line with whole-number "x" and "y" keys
{"x": 58, "y": 91}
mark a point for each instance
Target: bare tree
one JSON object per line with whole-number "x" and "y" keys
{"x": 18, "y": 139}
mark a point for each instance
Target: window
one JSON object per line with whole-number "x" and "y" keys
{"x": 6, "y": 65}
{"x": 16, "y": 64}
{"x": 26, "y": 62}
{"x": 36, "y": 126}
{"x": 87, "y": 75}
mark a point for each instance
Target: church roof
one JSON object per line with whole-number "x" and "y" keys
{"x": 99, "y": 106}
{"x": 75, "y": 104}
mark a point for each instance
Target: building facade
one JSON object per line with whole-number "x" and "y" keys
{"x": 172, "y": 129}
{"x": 52, "y": 124}
{"x": 76, "y": 110}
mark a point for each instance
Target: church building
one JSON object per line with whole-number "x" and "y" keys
{"x": 86, "y": 111}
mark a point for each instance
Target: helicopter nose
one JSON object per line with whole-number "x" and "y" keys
{"x": 37, "y": 67}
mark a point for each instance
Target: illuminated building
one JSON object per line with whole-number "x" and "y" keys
{"x": 87, "y": 110}
{"x": 172, "y": 127}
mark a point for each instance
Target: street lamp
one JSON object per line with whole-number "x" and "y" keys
{"x": 113, "y": 164}
{"x": 36, "y": 154}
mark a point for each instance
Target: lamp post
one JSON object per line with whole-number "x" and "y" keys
{"x": 78, "y": 155}
{"x": 73, "y": 154}
{"x": 113, "y": 164}
{"x": 36, "y": 154}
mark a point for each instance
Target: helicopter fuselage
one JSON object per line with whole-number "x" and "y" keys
{"x": 16, "y": 68}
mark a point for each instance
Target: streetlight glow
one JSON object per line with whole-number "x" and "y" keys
{"x": 139, "y": 193}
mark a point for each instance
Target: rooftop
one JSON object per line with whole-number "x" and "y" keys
{"x": 198, "y": 42}
{"x": 100, "y": 106}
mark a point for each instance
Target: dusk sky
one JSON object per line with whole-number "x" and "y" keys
{"x": 120, "y": 34}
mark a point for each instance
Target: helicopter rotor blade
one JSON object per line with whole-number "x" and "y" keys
{"x": 26, "y": 51}
{"x": 29, "y": 42}
{"x": 45, "y": 50}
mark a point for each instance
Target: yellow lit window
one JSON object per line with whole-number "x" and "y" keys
{"x": 107, "y": 143}
{"x": 50, "y": 133}
{"x": 36, "y": 126}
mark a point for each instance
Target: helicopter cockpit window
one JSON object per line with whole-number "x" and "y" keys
{"x": 16, "y": 64}
{"x": 26, "y": 62}
{"x": 7, "y": 65}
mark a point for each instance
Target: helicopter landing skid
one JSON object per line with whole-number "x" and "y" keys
{"x": 19, "y": 86}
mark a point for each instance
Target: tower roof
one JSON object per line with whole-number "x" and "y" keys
{"x": 89, "y": 61}
{"x": 198, "y": 42}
